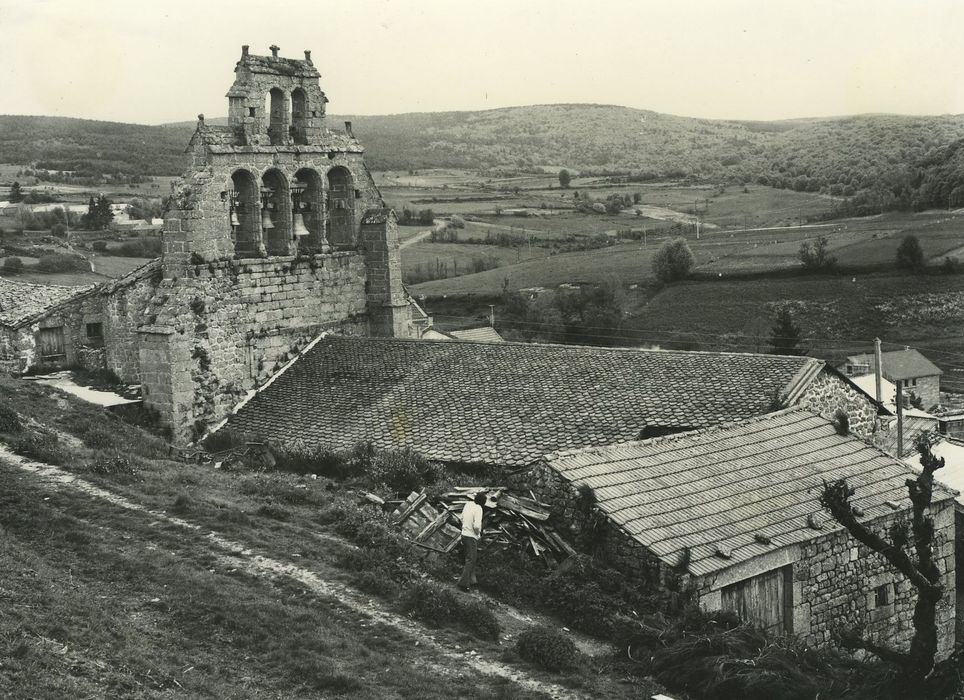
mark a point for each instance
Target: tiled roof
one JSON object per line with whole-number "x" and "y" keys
{"x": 22, "y": 302}
{"x": 486, "y": 334}
{"x": 899, "y": 364}
{"x": 508, "y": 403}
{"x": 718, "y": 488}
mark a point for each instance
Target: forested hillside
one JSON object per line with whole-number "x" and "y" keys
{"x": 876, "y": 161}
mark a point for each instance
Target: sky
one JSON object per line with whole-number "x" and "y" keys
{"x": 156, "y": 62}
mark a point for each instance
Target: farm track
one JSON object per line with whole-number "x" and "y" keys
{"x": 233, "y": 554}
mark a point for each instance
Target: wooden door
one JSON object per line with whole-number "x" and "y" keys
{"x": 51, "y": 344}
{"x": 761, "y": 600}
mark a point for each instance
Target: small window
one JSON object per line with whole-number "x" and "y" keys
{"x": 95, "y": 331}
{"x": 883, "y": 595}
{"x": 251, "y": 111}
{"x": 357, "y": 194}
{"x": 913, "y": 382}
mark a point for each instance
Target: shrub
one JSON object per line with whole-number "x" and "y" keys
{"x": 59, "y": 230}
{"x": 815, "y": 256}
{"x": 182, "y": 503}
{"x": 139, "y": 248}
{"x": 99, "y": 246}
{"x": 98, "y": 437}
{"x": 41, "y": 446}
{"x": 673, "y": 261}
{"x": 59, "y": 262}
{"x": 224, "y": 439}
{"x": 403, "y": 470}
{"x": 9, "y": 420}
{"x": 113, "y": 465}
{"x": 12, "y": 265}
{"x": 910, "y": 256}
{"x": 442, "y": 607}
{"x": 548, "y": 648}
{"x": 302, "y": 459}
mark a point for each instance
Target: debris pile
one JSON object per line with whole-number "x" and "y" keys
{"x": 509, "y": 520}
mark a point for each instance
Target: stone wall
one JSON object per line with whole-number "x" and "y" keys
{"x": 125, "y": 305}
{"x": 927, "y": 388}
{"x": 838, "y": 583}
{"x": 829, "y": 393}
{"x": 225, "y": 327}
{"x": 19, "y": 347}
{"x": 16, "y": 349}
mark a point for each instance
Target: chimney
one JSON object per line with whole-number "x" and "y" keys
{"x": 307, "y": 55}
{"x": 244, "y": 50}
{"x": 274, "y": 50}
{"x": 348, "y": 130}
{"x": 877, "y": 368}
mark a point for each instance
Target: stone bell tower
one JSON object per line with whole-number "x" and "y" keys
{"x": 276, "y": 233}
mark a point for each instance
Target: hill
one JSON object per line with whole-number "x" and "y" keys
{"x": 877, "y": 161}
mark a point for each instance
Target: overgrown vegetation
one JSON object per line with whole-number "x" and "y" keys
{"x": 548, "y": 648}
{"x": 673, "y": 261}
{"x": 440, "y": 606}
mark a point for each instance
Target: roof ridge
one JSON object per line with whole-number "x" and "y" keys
{"x": 574, "y": 346}
{"x": 674, "y": 437}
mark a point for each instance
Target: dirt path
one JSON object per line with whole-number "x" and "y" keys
{"x": 420, "y": 236}
{"x": 233, "y": 554}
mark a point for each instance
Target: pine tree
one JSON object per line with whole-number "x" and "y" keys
{"x": 785, "y": 336}
{"x": 16, "y": 193}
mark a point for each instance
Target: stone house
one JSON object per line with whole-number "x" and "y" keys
{"x": 732, "y": 513}
{"x": 276, "y": 234}
{"x": 507, "y": 404}
{"x": 908, "y": 368}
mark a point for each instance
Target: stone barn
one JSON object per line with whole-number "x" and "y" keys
{"x": 733, "y": 511}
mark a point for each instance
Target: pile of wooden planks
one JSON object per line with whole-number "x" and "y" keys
{"x": 510, "y": 520}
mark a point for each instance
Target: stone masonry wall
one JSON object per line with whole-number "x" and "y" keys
{"x": 228, "y": 325}
{"x": 829, "y": 393}
{"x": 124, "y": 310}
{"x": 19, "y": 349}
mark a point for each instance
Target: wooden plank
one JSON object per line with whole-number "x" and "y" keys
{"x": 410, "y": 508}
{"x": 432, "y": 527}
{"x": 531, "y": 509}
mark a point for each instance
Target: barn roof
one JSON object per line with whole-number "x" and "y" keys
{"x": 509, "y": 403}
{"x": 24, "y": 302}
{"x": 717, "y": 489}
{"x": 898, "y": 364}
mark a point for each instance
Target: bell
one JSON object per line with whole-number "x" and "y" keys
{"x": 235, "y": 221}
{"x": 299, "y": 228}
{"x": 266, "y": 221}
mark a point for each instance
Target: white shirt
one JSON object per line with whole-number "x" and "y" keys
{"x": 472, "y": 520}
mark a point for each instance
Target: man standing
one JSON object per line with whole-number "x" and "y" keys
{"x": 471, "y": 532}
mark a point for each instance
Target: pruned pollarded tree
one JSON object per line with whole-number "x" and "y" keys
{"x": 920, "y": 567}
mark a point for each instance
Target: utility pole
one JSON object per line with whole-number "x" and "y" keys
{"x": 877, "y": 368}
{"x": 900, "y": 421}
{"x": 492, "y": 315}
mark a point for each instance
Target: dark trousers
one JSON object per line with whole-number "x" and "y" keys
{"x": 470, "y": 554}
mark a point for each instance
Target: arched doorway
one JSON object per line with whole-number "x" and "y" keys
{"x": 277, "y": 116}
{"x": 308, "y": 200}
{"x": 299, "y": 116}
{"x": 341, "y": 208}
{"x": 245, "y": 214}
{"x": 276, "y": 213}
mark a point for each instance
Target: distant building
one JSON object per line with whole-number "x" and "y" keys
{"x": 908, "y": 368}
{"x": 914, "y": 421}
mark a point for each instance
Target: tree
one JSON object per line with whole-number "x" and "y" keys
{"x": 910, "y": 256}
{"x": 564, "y": 178}
{"x": 919, "y": 567}
{"x": 785, "y": 336}
{"x": 673, "y": 261}
{"x": 16, "y": 193}
{"x": 815, "y": 256}
{"x": 99, "y": 214}
{"x": 12, "y": 265}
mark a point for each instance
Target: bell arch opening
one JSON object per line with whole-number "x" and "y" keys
{"x": 308, "y": 207}
{"x": 341, "y": 208}
{"x": 277, "y": 104}
{"x": 276, "y": 213}
{"x": 245, "y": 214}
{"x": 299, "y": 116}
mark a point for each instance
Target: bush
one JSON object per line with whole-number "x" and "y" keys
{"x": 442, "y": 607}
{"x": 99, "y": 246}
{"x": 548, "y": 648}
{"x": 951, "y": 266}
{"x": 97, "y": 437}
{"x": 182, "y": 503}
{"x": 13, "y": 265}
{"x": 59, "y": 262}
{"x": 113, "y": 465}
{"x": 403, "y": 470}
{"x": 59, "y": 230}
{"x": 910, "y": 256}
{"x": 815, "y": 256}
{"x": 302, "y": 459}
{"x": 673, "y": 261}
{"x": 41, "y": 446}
{"x": 9, "y": 420}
